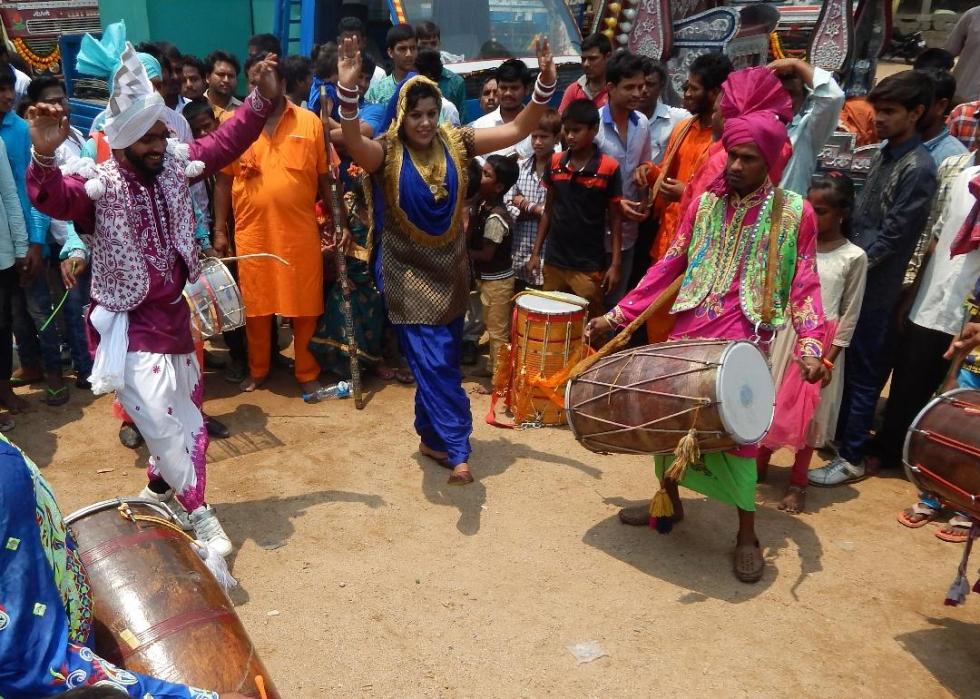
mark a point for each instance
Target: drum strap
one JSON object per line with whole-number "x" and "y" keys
{"x": 772, "y": 263}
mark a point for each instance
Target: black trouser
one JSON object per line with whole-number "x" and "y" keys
{"x": 919, "y": 371}
{"x": 9, "y": 286}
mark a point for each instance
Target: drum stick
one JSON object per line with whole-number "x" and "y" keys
{"x": 624, "y": 335}
{"x": 260, "y": 685}
{"x": 341, "y": 258}
{"x": 254, "y": 255}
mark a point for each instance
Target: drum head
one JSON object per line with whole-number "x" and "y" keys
{"x": 746, "y": 393}
{"x": 552, "y": 306}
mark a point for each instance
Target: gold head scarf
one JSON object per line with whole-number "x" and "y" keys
{"x": 431, "y": 165}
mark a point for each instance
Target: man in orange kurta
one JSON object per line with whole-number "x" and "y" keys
{"x": 274, "y": 191}
{"x": 687, "y": 147}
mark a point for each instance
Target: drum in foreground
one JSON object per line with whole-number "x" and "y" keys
{"x": 158, "y": 610}
{"x": 215, "y": 300}
{"x": 642, "y": 401}
{"x": 942, "y": 450}
{"x": 547, "y": 338}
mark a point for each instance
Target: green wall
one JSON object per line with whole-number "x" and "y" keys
{"x": 195, "y": 26}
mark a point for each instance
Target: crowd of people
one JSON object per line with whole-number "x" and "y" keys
{"x": 714, "y": 211}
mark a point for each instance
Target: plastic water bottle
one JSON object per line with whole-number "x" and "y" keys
{"x": 337, "y": 390}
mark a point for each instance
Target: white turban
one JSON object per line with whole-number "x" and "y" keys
{"x": 134, "y": 106}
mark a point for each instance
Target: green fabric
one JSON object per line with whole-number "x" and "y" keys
{"x": 329, "y": 344}
{"x": 720, "y": 476}
{"x": 705, "y": 250}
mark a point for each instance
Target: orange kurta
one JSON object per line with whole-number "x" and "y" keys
{"x": 691, "y": 154}
{"x": 858, "y": 116}
{"x": 274, "y": 195}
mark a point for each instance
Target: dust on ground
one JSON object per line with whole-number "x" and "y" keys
{"x": 387, "y": 582}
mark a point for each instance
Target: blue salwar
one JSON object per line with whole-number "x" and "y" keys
{"x": 38, "y": 656}
{"x": 442, "y": 409}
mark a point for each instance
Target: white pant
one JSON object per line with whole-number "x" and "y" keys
{"x": 163, "y": 395}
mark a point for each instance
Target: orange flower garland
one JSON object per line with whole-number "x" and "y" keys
{"x": 38, "y": 63}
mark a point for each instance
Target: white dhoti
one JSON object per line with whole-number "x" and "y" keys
{"x": 163, "y": 395}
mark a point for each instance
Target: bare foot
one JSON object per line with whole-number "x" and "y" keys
{"x": 23, "y": 376}
{"x": 461, "y": 475}
{"x": 11, "y": 401}
{"x": 251, "y": 383}
{"x": 484, "y": 390}
{"x": 794, "y": 500}
{"x": 441, "y": 457}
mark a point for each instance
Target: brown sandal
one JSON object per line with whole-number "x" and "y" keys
{"x": 749, "y": 563}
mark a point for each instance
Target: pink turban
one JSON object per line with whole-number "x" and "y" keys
{"x": 756, "y": 110}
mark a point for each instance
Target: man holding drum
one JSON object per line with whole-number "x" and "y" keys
{"x": 136, "y": 206}
{"x": 746, "y": 254}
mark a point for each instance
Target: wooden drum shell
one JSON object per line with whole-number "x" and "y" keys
{"x": 158, "y": 609}
{"x": 942, "y": 450}
{"x": 544, "y": 344}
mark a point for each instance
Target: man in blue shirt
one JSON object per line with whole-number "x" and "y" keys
{"x": 624, "y": 135}
{"x": 935, "y": 136}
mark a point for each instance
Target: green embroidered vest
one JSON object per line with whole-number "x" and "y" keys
{"x": 705, "y": 257}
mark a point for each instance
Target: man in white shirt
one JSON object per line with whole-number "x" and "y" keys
{"x": 662, "y": 117}
{"x": 937, "y": 314}
{"x": 513, "y": 82}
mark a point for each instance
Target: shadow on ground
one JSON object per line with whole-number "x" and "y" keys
{"x": 697, "y": 555}
{"x": 949, "y": 652}
{"x": 491, "y": 457}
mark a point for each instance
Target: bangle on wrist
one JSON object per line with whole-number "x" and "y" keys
{"x": 827, "y": 363}
{"x": 352, "y": 117}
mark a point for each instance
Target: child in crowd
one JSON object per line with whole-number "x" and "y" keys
{"x": 806, "y": 414}
{"x": 490, "y": 243}
{"x": 529, "y": 195}
{"x": 584, "y": 190}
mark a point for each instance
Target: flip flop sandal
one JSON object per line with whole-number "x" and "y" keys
{"x": 749, "y": 563}
{"x": 56, "y": 396}
{"x": 951, "y": 532}
{"x": 404, "y": 376}
{"x": 918, "y": 508}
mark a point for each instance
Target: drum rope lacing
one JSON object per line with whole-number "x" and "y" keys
{"x": 127, "y": 513}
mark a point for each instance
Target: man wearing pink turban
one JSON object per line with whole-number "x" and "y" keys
{"x": 735, "y": 220}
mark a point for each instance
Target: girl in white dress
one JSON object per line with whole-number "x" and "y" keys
{"x": 806, "y": 414}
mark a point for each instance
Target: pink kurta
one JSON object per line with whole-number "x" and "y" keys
{"x": 161, "y": 323}
{"x": 725, "y": 320}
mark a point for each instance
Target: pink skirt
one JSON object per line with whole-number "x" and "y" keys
{"x": 796, "y": 403}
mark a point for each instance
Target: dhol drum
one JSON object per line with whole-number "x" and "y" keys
{"x": 158, "y": 609}
{"x": 942, "y": 450}
{"x": 644, "y": 400}
{"x": 215, "y": 300}
{"x": 546, "y": 339}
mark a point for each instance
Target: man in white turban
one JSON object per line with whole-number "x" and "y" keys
{"x": 136, "y": 208}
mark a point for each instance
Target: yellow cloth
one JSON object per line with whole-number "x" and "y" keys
{"x": 274, "y": 195}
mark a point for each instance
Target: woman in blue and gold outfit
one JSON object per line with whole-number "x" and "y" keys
{"x": 418, "y": 173}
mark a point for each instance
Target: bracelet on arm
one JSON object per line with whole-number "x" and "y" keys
{"x": 47, "y": 161}
{"x": 543, "y": 93}
{"x": 353, "y": 117}
{"x": 827, "y": 363}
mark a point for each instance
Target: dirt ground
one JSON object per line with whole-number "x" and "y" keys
{"x": 363, "y": 574}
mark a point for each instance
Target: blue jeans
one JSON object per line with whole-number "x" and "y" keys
{"x": 864, "y": 376}
{"x": 74, "y": 313}
{"x": 32, "y": 306}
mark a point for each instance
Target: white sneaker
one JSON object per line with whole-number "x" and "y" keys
{"x": 168, "y": 499}
{"x": 837, "y": 472}
{"x": 208, "y": 529}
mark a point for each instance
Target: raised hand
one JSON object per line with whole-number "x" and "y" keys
{"x": 268, "y": 81}
{"x": 349, "y": 63}
{"x": 48, "y": 127}
{"x": 546, "y": 62}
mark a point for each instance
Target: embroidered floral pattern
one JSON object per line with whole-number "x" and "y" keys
{"x": 805, "y": 315}
{"x": 134, "y": 231}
